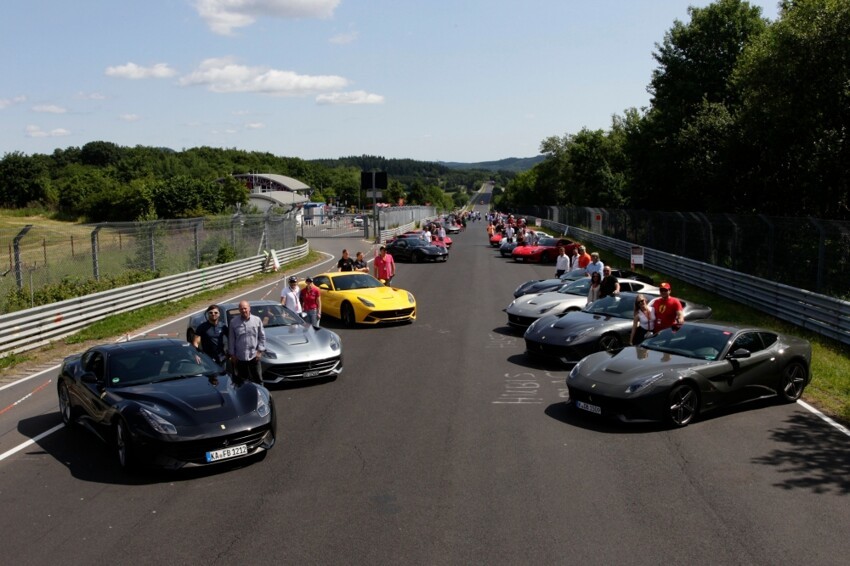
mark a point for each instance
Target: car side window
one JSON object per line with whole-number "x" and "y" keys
{"x": 94, "y": 364}
{"x": 749, "y": 341}
{"x": 768, "y": 338}
{"x": 322, "y": 280}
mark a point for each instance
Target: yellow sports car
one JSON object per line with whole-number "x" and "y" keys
{"x": 358, "y": 298}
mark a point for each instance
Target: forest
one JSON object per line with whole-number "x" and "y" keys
{"x": 746, "y": 116}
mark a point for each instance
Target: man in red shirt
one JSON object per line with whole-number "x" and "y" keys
{"x": 668, "y": 310}
{"x": 583, "y": 257}
{"x": 384, "y": 266}
{"x": 311, "y": 303}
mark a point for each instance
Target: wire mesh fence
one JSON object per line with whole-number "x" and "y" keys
{"x": 41, "y": 258}
{"x": 806, "y": 253}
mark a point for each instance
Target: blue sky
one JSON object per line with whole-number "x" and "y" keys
{"x": 467, "y": 81}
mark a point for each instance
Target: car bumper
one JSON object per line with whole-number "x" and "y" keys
{"x": 301, "y": 371}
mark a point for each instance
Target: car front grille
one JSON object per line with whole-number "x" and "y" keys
{"x": 517, "y": 320}
{"x": 302, "y": 370}
{"x": 395, "y": 315}
{"x": 561, "y": 352}
{"x": 194, "y": 451}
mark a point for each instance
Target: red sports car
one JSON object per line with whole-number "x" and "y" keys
{"x": 496, "y": 239}
{"x": 546, "y": 250}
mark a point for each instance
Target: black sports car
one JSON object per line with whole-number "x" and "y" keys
{"x": 163, "y": 402}
{"x": 676, "y": 375}
{"x": 416, "y": 250}
{"x": 604, "y": 324}
{"x": 546, "y": 285}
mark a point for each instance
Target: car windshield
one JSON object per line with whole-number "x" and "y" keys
{"x": 692, "y": 341}
{"x": 549, "y": 242}
{"x": 617, "y": 306}
{"x": 579, "y": 287}
{"x": 351, "y": 281}
{"x": 276, "y": 315}
{"x": 156, "y": 363}
{"x": 574, "y": 274}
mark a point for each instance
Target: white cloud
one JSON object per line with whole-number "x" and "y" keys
{"x": 343, "y": 38}
{"x": 133, "y": 71}
{"x": 49, "y": 109}
{"x": 6, "y": 102}
{"x": 36, "y": 132}
{"x": 90, "y": 96}
{"x": 222, "y": 16}
{"x": 255, "y": 126}
{"x": 129, "y": 117}
{"x": 224, "y": 75}
{"x": 353, "y": 97}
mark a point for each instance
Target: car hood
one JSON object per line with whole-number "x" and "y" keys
{"x": 193, "y": 400}
{"x": 536, "y": 301}
{"x": 632, "y": 364}
{"x": 574, "y": 322}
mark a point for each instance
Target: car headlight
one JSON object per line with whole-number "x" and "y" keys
{"x": 643, "y": 384}
{"x": 263, "y": 405}
{"x": 366, "y": 302}
{"x": 158, "y": 423}
{"x": 269, "y": 355}
{"x": 410, "y": 298}
{"x": 335, "y": 345}
{"x": 574, "y": 373}
{"x": 512, "y": 303}
{"x": 544, "y": 310}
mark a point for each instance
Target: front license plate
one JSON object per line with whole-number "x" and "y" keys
{"x": 225, "y": 453}
{"x": 312, "y": 373}
{"x": 588, "y": 407}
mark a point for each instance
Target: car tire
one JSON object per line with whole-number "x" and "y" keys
{"x": 123, "y": 445}
{"x": 610, "y": 343}
{"x": 346, "y": 314}
{"x": 683, "y": 405}
{"x": 793, "y": 382}
{"x": 66, "y": 408}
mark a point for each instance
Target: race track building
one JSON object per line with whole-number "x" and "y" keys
{"x": 267, "y": 190}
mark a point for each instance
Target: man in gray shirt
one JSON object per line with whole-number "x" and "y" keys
{"x": 246, "y": 343}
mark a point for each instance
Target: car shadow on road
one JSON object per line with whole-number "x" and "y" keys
{"x": 89, "y": 459}
{"x": 568, "y": 414}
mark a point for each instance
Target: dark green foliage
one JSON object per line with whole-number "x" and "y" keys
{"x": 71, "y": 287}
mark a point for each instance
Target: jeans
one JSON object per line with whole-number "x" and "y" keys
{"x": 312, "y": 316}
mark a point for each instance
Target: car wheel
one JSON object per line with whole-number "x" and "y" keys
{"x": 65, "y": 407}
{"x": 610, "y": 343}
{"x": 347, "y": 315}
{"x": 123, "y": 445}
{"x": 684, "y": 404}
{"x": 793, "y": 382}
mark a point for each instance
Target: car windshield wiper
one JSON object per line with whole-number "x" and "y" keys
{"x": 176, "y": 377}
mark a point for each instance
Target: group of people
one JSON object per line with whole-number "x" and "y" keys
{"x": 240, "y": 341}
{"x": 578, "y": 259}
{"x": 652, "y": 317}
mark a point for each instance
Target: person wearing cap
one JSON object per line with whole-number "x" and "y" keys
{"x": 290, "y": 297}
{"x": 311, "y": 302}
{"x": 211, "y": 336}
{"x": 246, "y": 342}
{"x": 384, "y": 266}
{"x": 668, "y": 310}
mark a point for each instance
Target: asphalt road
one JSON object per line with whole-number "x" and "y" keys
{"x": 439, "y": 444}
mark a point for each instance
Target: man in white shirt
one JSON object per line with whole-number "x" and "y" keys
{"x": 290, "y": 296}
{"x": 562, "y": 262}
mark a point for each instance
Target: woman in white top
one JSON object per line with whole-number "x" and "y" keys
{"x": 593, "y": 292}
{"x": 290, "y": 297}
{"x": 644, "y": 320}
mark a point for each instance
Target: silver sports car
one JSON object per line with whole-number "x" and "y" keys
{"x": 677, "y": 375}
{"x": 295, "y": 351}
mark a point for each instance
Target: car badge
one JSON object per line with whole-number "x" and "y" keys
{"x": 223, "y": 427}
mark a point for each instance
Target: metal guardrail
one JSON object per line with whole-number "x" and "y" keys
{"x": 824, "y": 315}
{"x": 32, "y": 328}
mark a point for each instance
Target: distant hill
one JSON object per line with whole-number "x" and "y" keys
{"x": 515, "y": 164}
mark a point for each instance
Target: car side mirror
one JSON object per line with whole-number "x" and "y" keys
{"x": 325, "y": 286}
{"x": 89, "y": 377}
{"x": 739, "y": 353}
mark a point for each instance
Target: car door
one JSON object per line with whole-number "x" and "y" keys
{"x": 90, "y": 391}
{"x": 750, "y": 363}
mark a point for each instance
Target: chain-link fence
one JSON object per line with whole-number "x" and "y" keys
{"x": 43, "y": 256}
{"x": 806, "y": 253}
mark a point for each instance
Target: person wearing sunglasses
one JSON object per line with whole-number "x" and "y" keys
{"x": 210, "y": 336}
{"x": 644, "y": 320}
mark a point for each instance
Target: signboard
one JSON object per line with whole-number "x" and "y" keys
{"x": 596, "y": 223}
{"x": 374, "y": 194}
{"x": 637, "y": 255}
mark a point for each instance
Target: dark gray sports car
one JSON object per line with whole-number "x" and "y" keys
{"x": 676, "y": 375}
{"x": 546, "y": 285}
{"x": 604, "y": 324}
{"x": 162, "y": 402}
{"x": 295, "y": 351}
